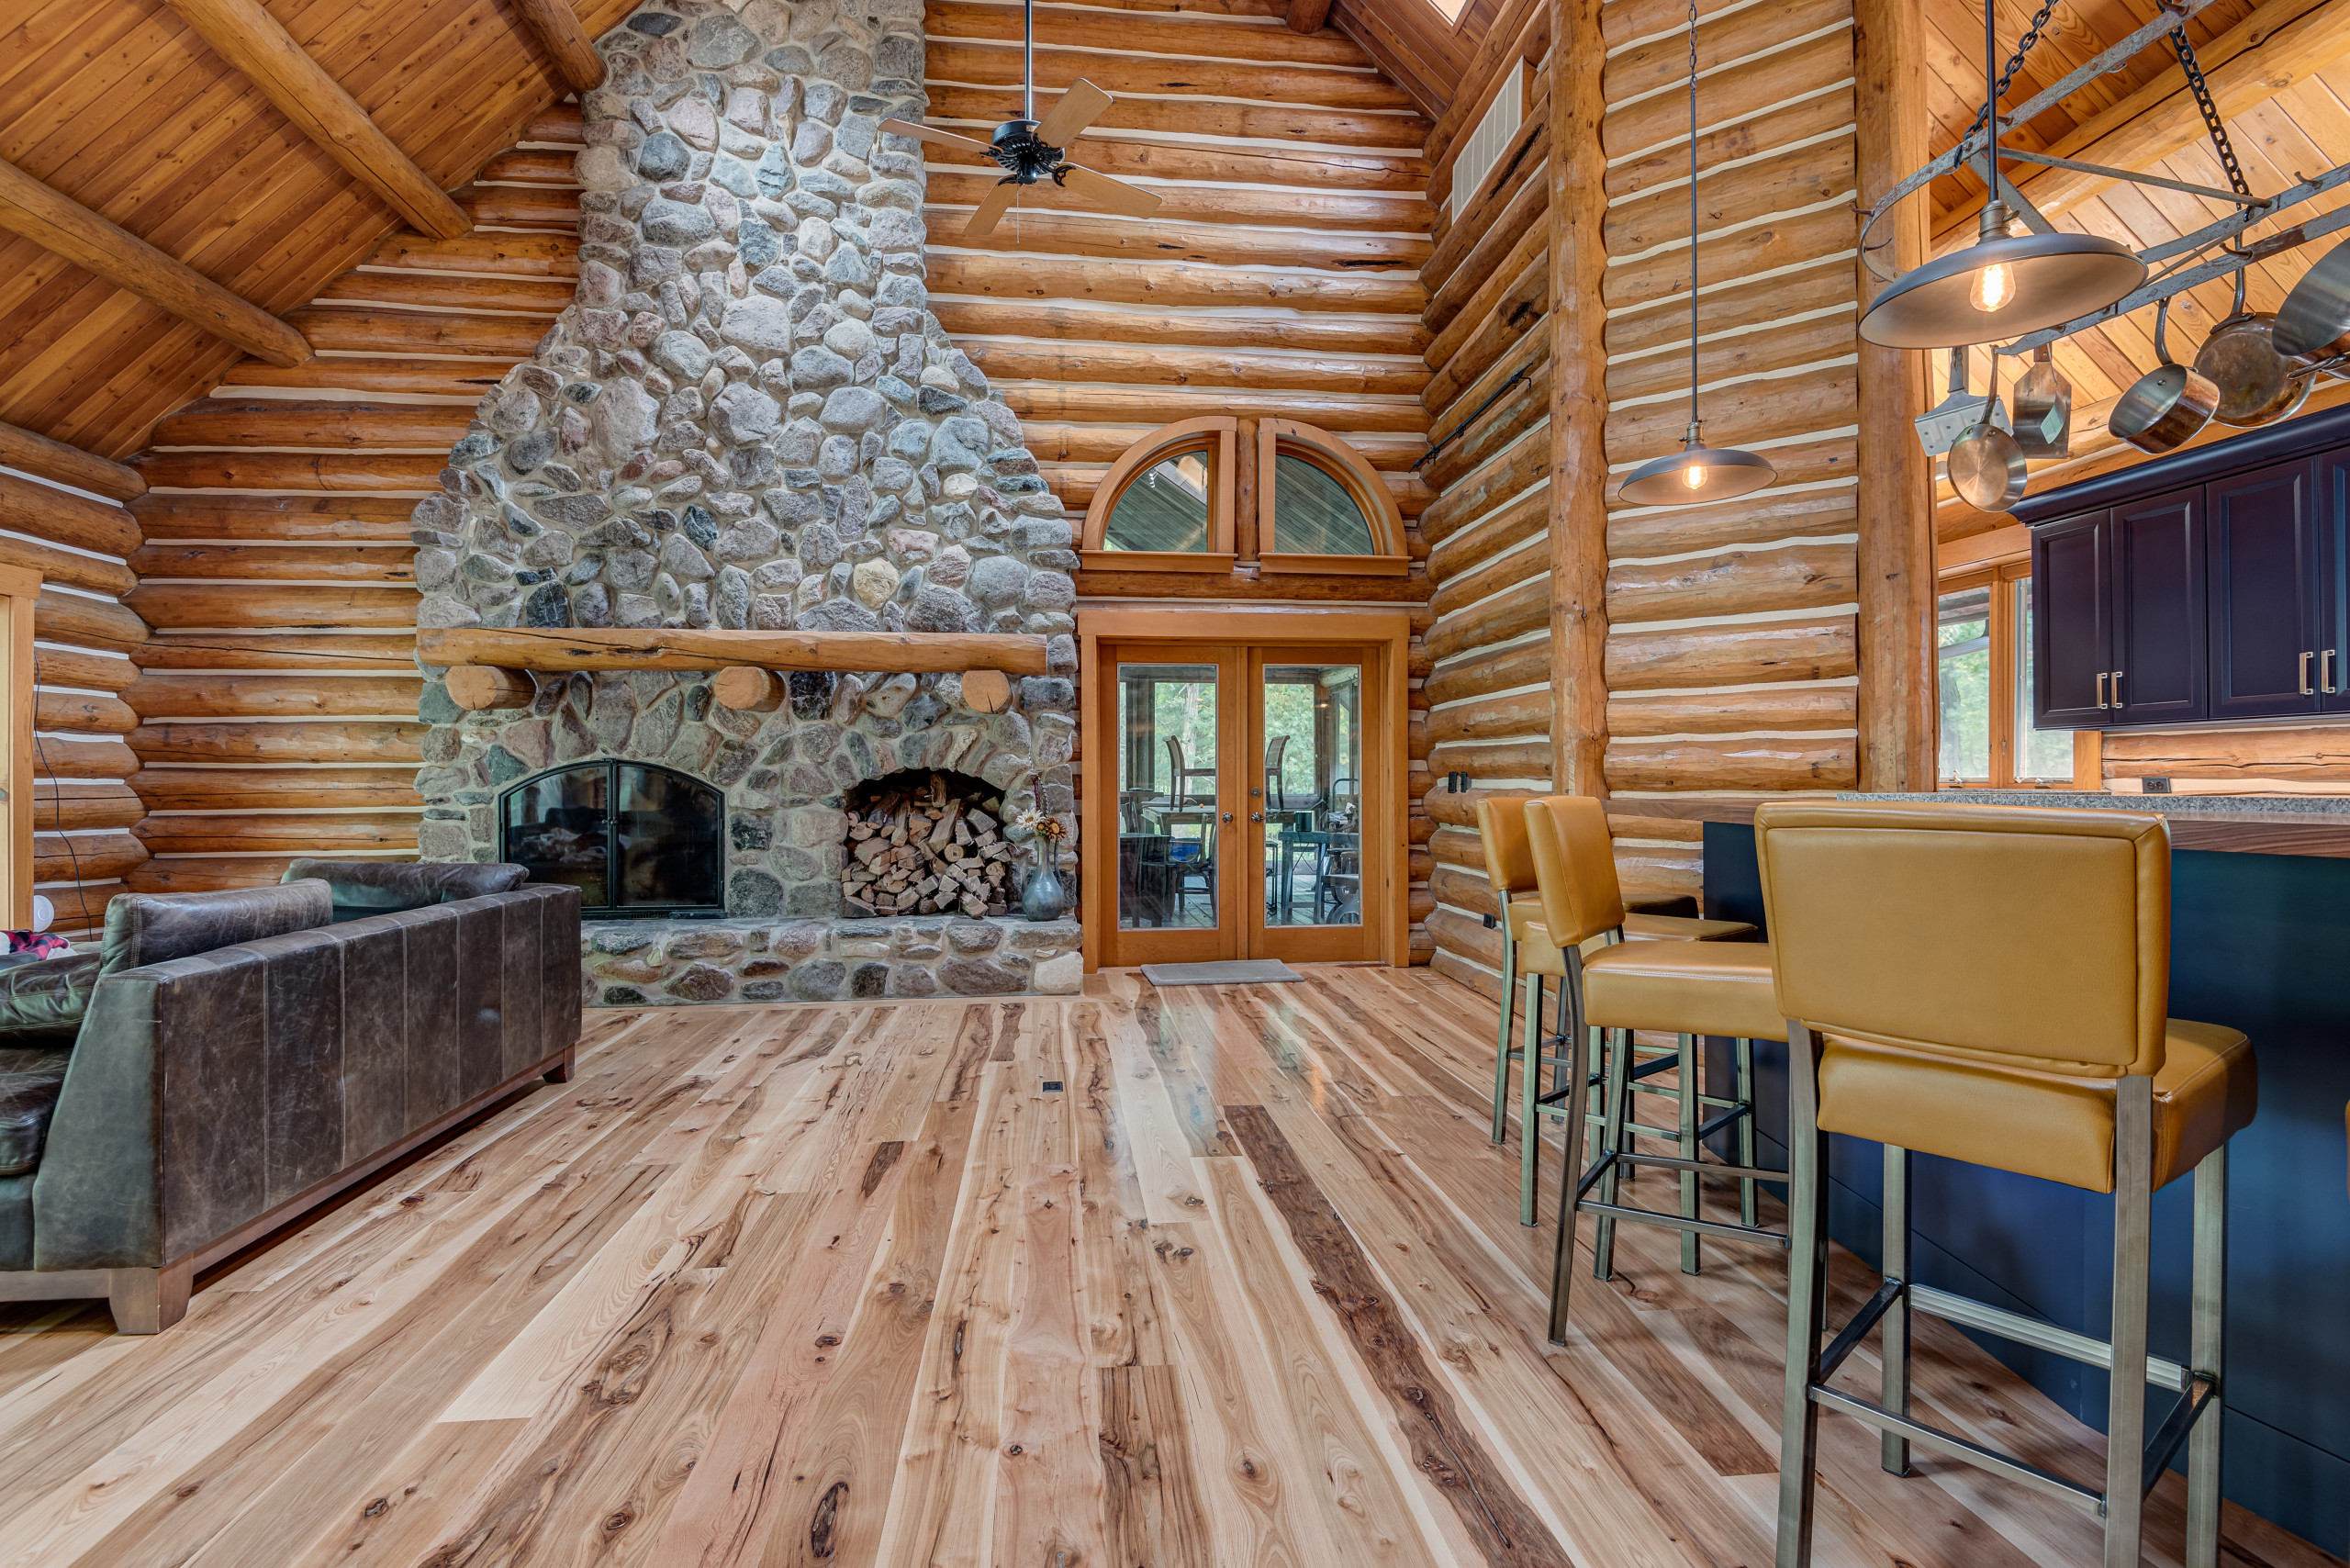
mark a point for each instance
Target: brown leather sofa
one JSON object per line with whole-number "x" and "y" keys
{"x": 230, "y": 1060}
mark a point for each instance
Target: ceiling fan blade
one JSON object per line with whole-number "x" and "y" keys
{"x": 991, "y": 211}
{"x": 1078, "y": 107}
{"x": 1130, "y": 201}
{"x": 943, "y": 138}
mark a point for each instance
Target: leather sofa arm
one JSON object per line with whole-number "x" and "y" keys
{"x": 97, "y": 1196}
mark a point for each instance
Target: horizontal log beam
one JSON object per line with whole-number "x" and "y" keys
{"x": 168, "y": 788}
{"x": 1062, "y": 323}
{"x": 1821, "y": 648}
{"x": 276, "y": 520}
{"x": 1166, "y": 285}
{"x": 1527, "y": 665}
{"x": 84, "y": 857}
{"x": 280, "y": 743}
{"x": 1800, "y": 577}
{"x": 57, "y": 223}
{"x": 1734, "y": 765}
{"x": 1172, "y": 362}
{"x": 257, "y": 45}
{"x": 284, "y": 831}
{"x": 1125, "y": 72}
{"x": 243, "y": 695}
{"x": 83, "y": 671}
{"x": 36, "y": 454}
{"x": 61, "y": 805}
{"x": 158, "y": 564}
{"x": 306, "y": 650}
{"x": 684, "y": 648}
{"x": 991, "y": 107}
{"x": 284, "y": 607}
{"x": 1703, "y": 712}
{"x": 59, "y": 757}
{"x": 83, "y": 712}
{"x": 47, "y": 512}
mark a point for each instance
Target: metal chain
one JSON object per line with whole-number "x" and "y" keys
{"x": 2219, "y": 132}
{"x": 2015, "y": 64}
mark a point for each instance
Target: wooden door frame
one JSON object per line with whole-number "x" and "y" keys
{"x": 19, "y": 589}
{"x": 1388, "y": 635}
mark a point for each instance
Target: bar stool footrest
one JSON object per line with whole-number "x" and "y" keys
{"x": 1956, "y": 1447}
{"x": 2039, "y": 1335}
{"x": 1723, "y": 1228}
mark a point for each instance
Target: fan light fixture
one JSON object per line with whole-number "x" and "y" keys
{"x": 1697, "y": 473}
{"x": 2004, "y": 285}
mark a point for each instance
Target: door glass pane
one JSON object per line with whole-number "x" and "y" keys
{"x": 1168, "y": 841}
{"x": 1313, "y": 513}
{"x": 1314, "y": 802}
{"x": 1165, "y": 508}
{"x": 2040, "y": 754}
{"x": 672, "y": 838}
{"x": 1963, "y": 639}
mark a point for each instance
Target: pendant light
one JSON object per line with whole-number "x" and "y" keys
{"x": 1697, "y": 472}
{"x": 2004, "y": 285}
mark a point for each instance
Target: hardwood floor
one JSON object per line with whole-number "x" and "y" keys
{"x": 855, "y": 1285}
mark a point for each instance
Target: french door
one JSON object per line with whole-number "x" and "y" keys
{"x": 1244, "y": 777}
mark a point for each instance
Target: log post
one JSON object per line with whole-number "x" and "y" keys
{"x": 57, "y": 223}
{"x": 479, "y": 688}
{"x": 1895, "y": 489}
{"x": 566, "y": 41}
{"x": 748, "y": 689}
{"x": 1578, "y": 588}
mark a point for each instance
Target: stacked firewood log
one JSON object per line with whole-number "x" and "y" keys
{"x": 928, "y": 846}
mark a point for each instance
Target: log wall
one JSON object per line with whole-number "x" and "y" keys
{"x": 74, "y": 529}
{"x": 1730, "y": 651}
{"x": 275, "y": 704}
{"x": 1276, "y": 282}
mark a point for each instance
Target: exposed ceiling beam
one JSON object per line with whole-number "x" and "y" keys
{"x": 245, "y": 34}
{"x": 2278, "y": 45}
{"x": 61, "y": 225}
{"x": 576, "y": 60}
{"x": 36, "y": 454}
{"x": 1308, "y": 15}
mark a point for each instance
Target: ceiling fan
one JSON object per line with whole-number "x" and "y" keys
{"x": 1029, "y": 149}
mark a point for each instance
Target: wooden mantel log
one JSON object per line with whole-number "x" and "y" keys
{"x": 570, "y": 648}
{"x": 477, "y": 688}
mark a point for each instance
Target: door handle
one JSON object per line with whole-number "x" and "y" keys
{"x": 2324, "y": 677}
{"x": 2117, "y": 688}
{"x": 1253, "y": 816}
{"x": 1228, "y": 816}
{"x": 2307, "y": 691}
{"x": 2100, "y": 690}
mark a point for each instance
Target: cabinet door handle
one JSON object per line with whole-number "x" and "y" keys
{"x": 2117, "y": 688}
{"x": 2325, "y": 673}
{"x": 2307, "y": 691}
{"x": 2100, "y": 690}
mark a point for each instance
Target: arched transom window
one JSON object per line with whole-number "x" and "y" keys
{"x": 1201, "y": 495}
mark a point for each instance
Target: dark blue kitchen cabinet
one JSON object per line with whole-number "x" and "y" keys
{"x": 2072, "y": 621}
{"x": 2265, "y": 594}
{"x": 2207, "y": 586}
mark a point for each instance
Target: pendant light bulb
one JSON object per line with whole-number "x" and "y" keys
{"x": 1994, "y": 286}
{"x": 1693, "y": 477}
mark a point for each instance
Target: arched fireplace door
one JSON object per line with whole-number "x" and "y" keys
{"x": 636, "y": 840}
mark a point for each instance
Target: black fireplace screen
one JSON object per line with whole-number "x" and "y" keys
{"x": 634, "y": 839}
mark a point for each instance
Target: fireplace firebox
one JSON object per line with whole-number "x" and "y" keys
{"x": 636, "y": 840}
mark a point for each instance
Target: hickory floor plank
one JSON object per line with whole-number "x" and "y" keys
{"x": 845, "y": 1285}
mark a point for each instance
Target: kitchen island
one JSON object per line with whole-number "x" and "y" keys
{"x": 2260, "y": 939}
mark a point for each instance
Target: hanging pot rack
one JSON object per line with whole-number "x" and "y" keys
{"x": 2190, "y": 258}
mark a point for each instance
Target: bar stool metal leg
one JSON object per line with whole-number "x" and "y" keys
{"x": 1689, "y": 1107}
{"x": 1562, "y": 1257}
{"x": 1745, "y": 1092}
{"x": 2210, "y": 1295}
{"x": 1501, "y": 1052}
{"x": 1894, "y": 1390}
{"x": 1612, "y": 1141}
{"x": 2125, "y": 1427}
{"x": 1529, "y": 1092}
{"x": 1806, "y": 1296}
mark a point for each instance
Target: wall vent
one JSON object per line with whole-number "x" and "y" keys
{"x": 1487, "y": 143}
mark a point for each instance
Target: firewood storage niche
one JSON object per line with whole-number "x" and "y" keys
{"x": 927, "y": 841}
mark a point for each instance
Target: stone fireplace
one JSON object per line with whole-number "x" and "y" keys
{"x": 749, "y": 419}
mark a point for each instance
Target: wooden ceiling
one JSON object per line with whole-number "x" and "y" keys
{"x": 2280, "y": 72}
{"x": 120, "y": 107}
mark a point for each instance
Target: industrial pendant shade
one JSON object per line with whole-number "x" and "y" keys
{"x": 2001, "y": 287}
{"x": 1697, "y": 473}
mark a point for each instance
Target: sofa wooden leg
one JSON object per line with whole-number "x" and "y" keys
{"x": 563, "y": 1070}
{"x": 148, "y": 1301}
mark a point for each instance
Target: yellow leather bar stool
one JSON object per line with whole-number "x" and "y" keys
{"x": 1685, "y": 989}
{"x": 1989, "y": 984}
{"x": 1509, "y": 866}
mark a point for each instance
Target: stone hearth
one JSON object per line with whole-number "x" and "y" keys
{"x": 749, "y": 418}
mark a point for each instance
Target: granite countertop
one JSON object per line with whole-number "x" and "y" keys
{"x": 2259, "y": 825}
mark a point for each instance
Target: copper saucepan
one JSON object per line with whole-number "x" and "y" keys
{"x": 2164, "y": 408}
{"x": 2256, "y": 383}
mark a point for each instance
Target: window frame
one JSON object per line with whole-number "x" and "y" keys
{"x": 1216, "y": 433}
{"x": 1292, "y": 438}
{"x": 2007, "y": 720}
